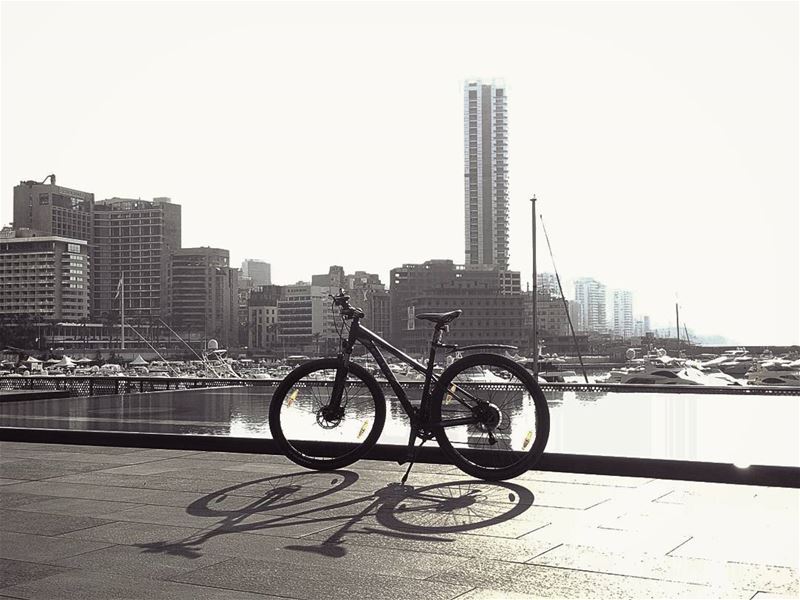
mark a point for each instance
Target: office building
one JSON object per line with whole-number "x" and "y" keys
{"x": 262, "y": 317}
{"x": 489, "y": 315}
{"x": 54, "y": 210}
{"x": 137, "y": 238}
{"x": 366, "y": 291}
{"x": 258, "y": 271}
{"x": 43, "y": 276}
{"x": 305, "y": 319}
{"x": 591, "y": 295}
{"x": 486, "y": 174}
{"x": 205, "y": 295}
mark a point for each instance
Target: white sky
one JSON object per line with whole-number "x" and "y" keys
{"x": 660, "y": 138}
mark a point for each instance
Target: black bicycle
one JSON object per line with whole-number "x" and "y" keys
{"x": 486, "y": 411}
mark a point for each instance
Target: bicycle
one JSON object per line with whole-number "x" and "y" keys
{"x": 328, "y": 413}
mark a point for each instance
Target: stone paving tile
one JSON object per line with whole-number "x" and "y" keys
{"x": 614, "y": 540}
{"x": 41, "y": 447}
{"x": 768, "y": 547}
{"x": 12, "y": 499}
{"x": 90, "y": 585}
{"x": 505, "y": 549}
{"x": 131, "y": 533}
{"x": 44, "y": 469}
{"x": 671, "y": 568}
{"x": 584, "y": 479}
{"x": 93, "y": 457}
{"x": 79, "y": 490}
{"x": 164, "y": 515}
{"x": 79, "y": 507}
{"x": 314, "y": 554}
{"x": 321, "y": 582}
{"x": 43, "y": 523}
{"x": 38, "y": 548}
{"x": 184, "y": 465}
{"x": 560, "y": 495}
{"x": 156, "y": 482}
{"x": 14, "y": 572}
{"x": 551, "y": 582}
{"x": 140, "y": 562}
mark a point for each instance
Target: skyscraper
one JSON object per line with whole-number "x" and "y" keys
{"x": 485, "y": 175}
{"x": 591, "y": 295}
{"x": 623, "y": 313}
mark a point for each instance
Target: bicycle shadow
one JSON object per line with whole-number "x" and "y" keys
{"x": 422, "y": 513}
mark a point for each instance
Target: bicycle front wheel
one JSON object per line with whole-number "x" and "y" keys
{"x": 494, "y": 417}
{"x": 312, "y": 435}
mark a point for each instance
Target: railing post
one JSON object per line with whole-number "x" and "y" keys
{"x": 116, "y": 387}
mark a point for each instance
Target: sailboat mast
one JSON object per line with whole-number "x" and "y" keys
{"x": 533, "y": 286}
{"x": 677, "y": 326}
{"x": 122, "y": 301}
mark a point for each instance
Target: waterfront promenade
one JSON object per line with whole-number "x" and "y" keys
{"x": 94, "y": 522}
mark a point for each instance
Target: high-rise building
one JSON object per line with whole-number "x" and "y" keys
{"x": 591, "y": 295}
{"x": 623, "y": 313}
{"x": 204, "y": 294}
{"x": 54, "y": 210}
{"x": 137, "y": 238}
{"x": 486, "y": 174}
{"x": 43, "y": 276}
{"x": 258, "y": 271}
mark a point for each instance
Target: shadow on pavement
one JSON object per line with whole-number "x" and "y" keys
{"x": 396, "y": 510}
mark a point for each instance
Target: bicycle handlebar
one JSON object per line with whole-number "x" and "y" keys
{"x": 342, "y": 300}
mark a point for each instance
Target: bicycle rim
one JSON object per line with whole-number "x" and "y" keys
{"x": 311, "y": 437}
{"x": 514, "y": 419}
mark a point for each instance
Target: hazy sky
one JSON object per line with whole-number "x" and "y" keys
{"x": 660, "y": 138}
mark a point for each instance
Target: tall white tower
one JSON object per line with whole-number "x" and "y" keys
{"x": 485, "y": 174}
{"x": 623, "y": 313}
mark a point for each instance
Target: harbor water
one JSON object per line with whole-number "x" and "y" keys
{"x": 728, "y": 428}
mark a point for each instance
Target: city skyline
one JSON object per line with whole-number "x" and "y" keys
{"x": 652, "y": 162}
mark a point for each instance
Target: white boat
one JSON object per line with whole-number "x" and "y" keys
{"x": 660, "y": 369}
{"x": 774, "y": 372}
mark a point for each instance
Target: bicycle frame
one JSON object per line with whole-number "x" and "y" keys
{"x": 373, "y": 343}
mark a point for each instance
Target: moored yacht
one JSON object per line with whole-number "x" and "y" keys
{"x": 774, "y": 372}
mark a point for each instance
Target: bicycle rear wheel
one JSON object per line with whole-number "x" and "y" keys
{"x": 510, "y": 421}
{"x": 311, "y": 435}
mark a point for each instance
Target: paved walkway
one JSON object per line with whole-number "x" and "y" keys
{"x": 105, "y": 523}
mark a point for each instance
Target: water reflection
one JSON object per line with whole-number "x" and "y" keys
{"x": 719, "y": 428}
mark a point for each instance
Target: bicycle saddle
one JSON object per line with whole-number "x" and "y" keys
{"x": 440, "y": 318}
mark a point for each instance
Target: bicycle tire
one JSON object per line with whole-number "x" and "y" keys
{"x": 317, "y": 444}
{"x": 469, "y": 447}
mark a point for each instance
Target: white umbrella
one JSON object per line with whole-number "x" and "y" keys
{"x": 84, "y": 360}
{"x": 65, "y": 361}
{"x": 138, "y": 361}
{"x": 31, "y": 359}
